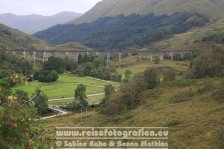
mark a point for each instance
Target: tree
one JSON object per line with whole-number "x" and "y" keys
{"x": 150, "y": 76}
{"x": 156, "y": 60}
{"x": 70, "y": 65}
{"x": 5, "y": 91}
{"x": 21, "y": 95}
{"x": 40, "y": 101}
{"x": 46, "y": 76}
{"x": 80, "y": 59}
{"x": 85, "y": 58}
{"x": 19, "y": 127}
{"x": 80, "y": 94}
{"x": 127, "y": 75}
{"x": 208, "y": 63}
{"x": 54, "y": 63}
{"x": 108, "y": 89}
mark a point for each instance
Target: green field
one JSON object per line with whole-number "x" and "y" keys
{"x": 91, "y": 100}
{"x": 65, "y": 86}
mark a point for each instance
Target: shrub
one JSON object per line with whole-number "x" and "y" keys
{"x": 46, "y": 76}
{"x": 80, "y": 95}
{"x": 76, "y": 107}
{"x": 20, "y": 128}
{"x": 156, "y": 60}
{"x": 150, "y": 76}
{"x": 206, "y": 88}
{"x": 40, "y": 101}
{"x": 209, "y": 63}
{"x": 172, "y": 123}
{"x": 219, "y": 138}
{"x": 182, "y": 98}
{"x": 125, "y": 98}
{"x": 21, "y": 95}
{"x": 55, "y": 63}
{"x": 219, "y": 94}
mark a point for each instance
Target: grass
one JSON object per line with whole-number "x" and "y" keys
{"x": 180, "y": 41}
{"x": 140, "y": 67}
{"x": 65, "y": 86}
{"x": 192, "y": 124}
{"x": 91, "y": 100}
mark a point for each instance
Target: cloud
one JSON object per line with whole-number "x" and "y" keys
{"x": 45, "y": 7}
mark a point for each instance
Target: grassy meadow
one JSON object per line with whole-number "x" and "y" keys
{"x": 187, "y": 106}
{"x": 65, "y": 86}
{"x": 193, "y": 122}
{"x": 91, "y": 100}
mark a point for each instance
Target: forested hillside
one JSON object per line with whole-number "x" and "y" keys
{"x": 123, "y": 31}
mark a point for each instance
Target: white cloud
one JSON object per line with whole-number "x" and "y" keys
{"x": 45, "y": 7}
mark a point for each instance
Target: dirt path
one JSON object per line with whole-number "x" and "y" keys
{"x": 91, "y": 95}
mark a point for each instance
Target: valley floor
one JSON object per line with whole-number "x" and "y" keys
{"x": 187, "y": 107}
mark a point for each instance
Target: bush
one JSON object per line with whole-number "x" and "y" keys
{"x": 219, "y": 139}
{"x": 126, "y": 97}
{"x": 46, "y": 76}
{"x": 172, "y": 123}
{"x": 156, "y": 60}
{"x": 40, "y": 101}
{"x": 55, "y": 63}
{"x": 150, "y": 76}
{"x": 21, "y": 95}
{"x": 182, "y": 98}
{"x": 219, "y": 94}
{"x": 76, "y": 107}
{"x": 80, "y": 95}
{"x": 19, "y": 128}
{"x": 205, "y": 89}
{"x": 209, "y": 63}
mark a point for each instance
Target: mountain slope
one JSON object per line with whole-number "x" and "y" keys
{"x": 190, "y": 38}
{"x": 121, "y": 31}
{"x": 14, "y": 39}
{"x": 214, "y": 9}
{"x": 34, "y": 23}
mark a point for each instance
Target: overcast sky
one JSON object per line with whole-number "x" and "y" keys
{"x": 45, "y": 7}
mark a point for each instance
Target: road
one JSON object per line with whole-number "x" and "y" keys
{"x": 61, "y": 111}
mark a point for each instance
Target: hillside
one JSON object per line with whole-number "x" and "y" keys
{"x": 34, "y": 23}
{"x": 121, "y": 31}
{"x": 14, "y": 39}
{"x": 194, "y": 120}
{"x": 191, "y": 38}
{"x": 214, "y": 9}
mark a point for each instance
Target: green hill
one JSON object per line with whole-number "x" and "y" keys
{"x": 121, "y": 31}
{"x": 214, "y": 9}
{"x": 131, "y": 24}
{"x": 191, "y": 38}
{"x": 187, "y": 107}
{"x": 15, "y": 39}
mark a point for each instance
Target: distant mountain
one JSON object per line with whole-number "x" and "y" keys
{"x": 15, "y": 39}
{"x": 128, "y": 24}
{"x": 34, "y": 23}
{"x": 214, "y": 9}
